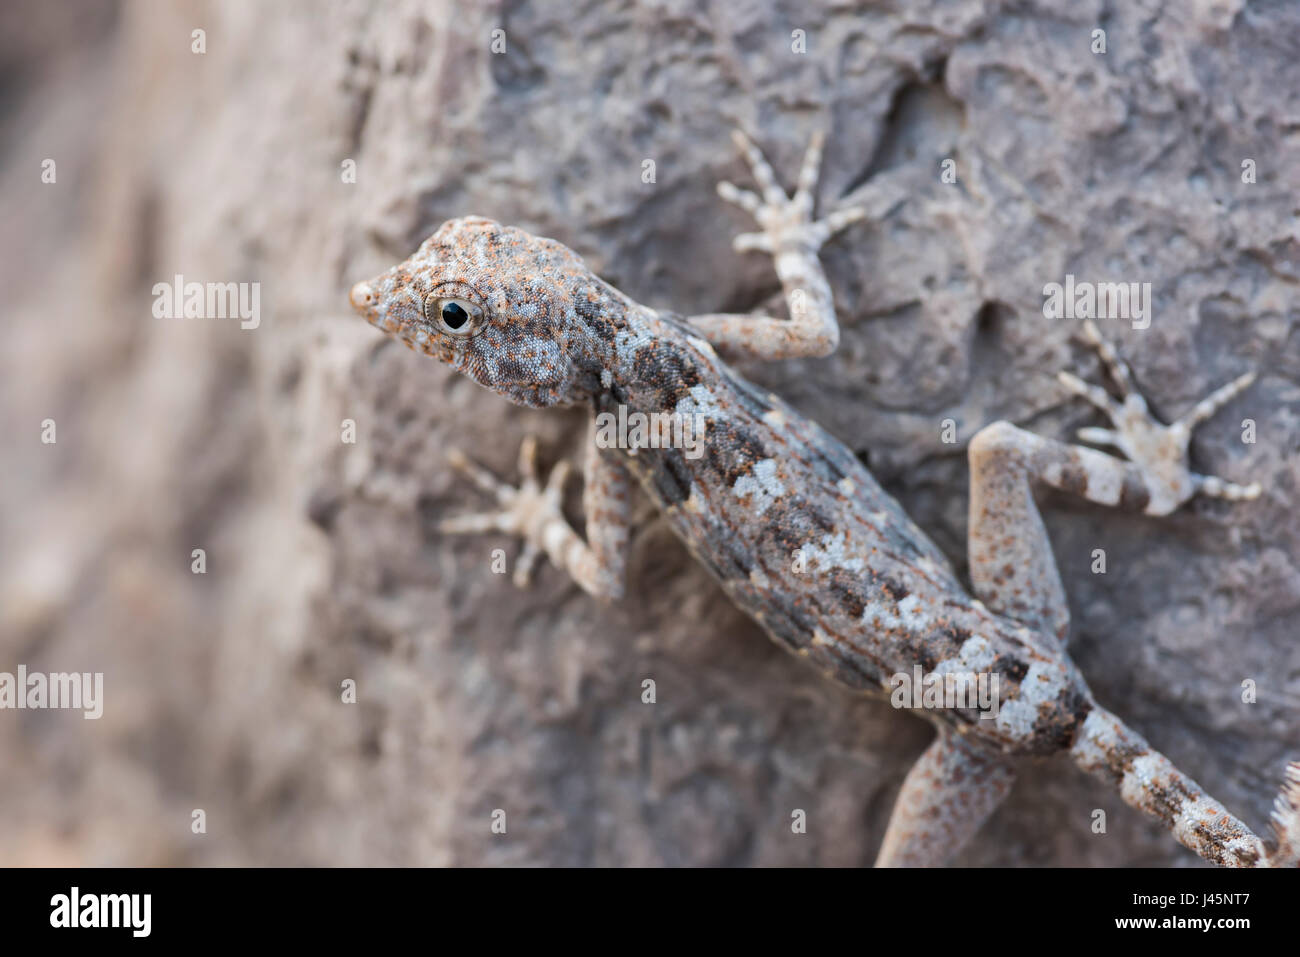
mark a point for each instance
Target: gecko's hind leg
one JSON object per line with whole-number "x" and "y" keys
{"x": 532, "y": 511}
{"x": 953, "y": 787}
{"x": 950, "y": 791}
{"x": 792, "y": 237}
{"x": 1012, "y": 568}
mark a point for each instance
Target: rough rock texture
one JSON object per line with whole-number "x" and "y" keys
{"x": 223, "y": 689}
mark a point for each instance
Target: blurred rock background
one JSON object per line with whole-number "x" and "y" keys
{"x": 223, "y": 689}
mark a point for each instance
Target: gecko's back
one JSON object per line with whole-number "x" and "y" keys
{"x": 803, "y": 538}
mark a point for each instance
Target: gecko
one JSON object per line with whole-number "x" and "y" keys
{"x": 795, "y": 529}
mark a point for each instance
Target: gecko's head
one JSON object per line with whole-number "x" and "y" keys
{"x": 520, "y": 315}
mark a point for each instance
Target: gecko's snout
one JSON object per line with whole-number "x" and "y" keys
{"x": 363, "y": 297}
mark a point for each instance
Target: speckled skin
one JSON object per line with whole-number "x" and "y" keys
{"x": 790, "y": 523}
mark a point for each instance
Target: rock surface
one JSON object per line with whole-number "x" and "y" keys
{"x": 223, "y": 689}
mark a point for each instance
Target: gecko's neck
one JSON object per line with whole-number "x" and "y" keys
{"x": 652, "y": 364}
{"x": 605, "y": 327}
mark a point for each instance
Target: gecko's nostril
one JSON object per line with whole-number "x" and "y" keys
{"x": 362, "y": 296}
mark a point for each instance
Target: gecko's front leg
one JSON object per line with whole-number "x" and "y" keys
{"x": 791, "y": 236}
{"x": 533, "y": 512}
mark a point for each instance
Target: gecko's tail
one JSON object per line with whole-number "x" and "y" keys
{"x": 1148, "y": 781}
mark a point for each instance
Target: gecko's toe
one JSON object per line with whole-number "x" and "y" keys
{"x": 743, "y": 198}
{"x": 837, "y": 221}
{"x": 751, "y": 242}
{"x": 1215, "y": 487}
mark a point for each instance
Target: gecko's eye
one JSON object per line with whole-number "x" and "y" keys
{"x": 456, "y": 316}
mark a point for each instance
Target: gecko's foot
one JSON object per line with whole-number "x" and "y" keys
{"x": 786, "y": 221}
{"x": 1159, "y": 450}
{"x": 526, "y": 511}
